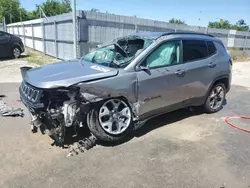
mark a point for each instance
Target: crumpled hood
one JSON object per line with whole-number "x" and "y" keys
{"x": 64, "y": 74}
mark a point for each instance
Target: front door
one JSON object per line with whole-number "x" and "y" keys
{"x": 162, "y": 84}
{"x": 5, "y": 45}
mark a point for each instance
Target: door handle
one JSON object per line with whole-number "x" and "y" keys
{"x": 180, "y": 72}
{"x": 211, "y": 65}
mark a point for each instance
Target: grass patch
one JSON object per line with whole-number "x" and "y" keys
{"x": 37, "y": 58}
{"x": 238, "y": 55}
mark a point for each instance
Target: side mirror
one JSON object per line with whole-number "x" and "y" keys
{"x": 145, "y": 68}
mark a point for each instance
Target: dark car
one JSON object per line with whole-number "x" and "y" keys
{"x": 10, "y": 45}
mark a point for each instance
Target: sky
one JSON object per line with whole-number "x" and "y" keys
{"x": 193, "y": 12}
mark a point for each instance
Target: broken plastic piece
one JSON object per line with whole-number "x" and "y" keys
{"x": 7, "y": 111}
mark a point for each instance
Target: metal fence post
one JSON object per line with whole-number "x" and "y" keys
{"x": 18, "y": 30}
{"x": 24, "y": 41}
{"x": 32, "y": 32}
{"x": 245, "y": 42}
{"x": 55, "y": 42}
{"x": 4, "y": 25}
{"x": 78, "y": 37}
{"x": 43, "y": 37}
{"x": 228, "y": 36}
{"x": 135, "y": 23}
{"x": 74, "y": 28}
{"x": 122, "y": 27}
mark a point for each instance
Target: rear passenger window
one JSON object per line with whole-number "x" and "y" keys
{"x": 194, "y": 50}
{"x": 211, "y": 48}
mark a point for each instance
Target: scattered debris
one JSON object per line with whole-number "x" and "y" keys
{"x": 82, "y": 145}
{"x": 7, "y": 111}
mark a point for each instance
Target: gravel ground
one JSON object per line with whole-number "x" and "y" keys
{"x": 10, "y": 68}
{"x": 178, "y": 149}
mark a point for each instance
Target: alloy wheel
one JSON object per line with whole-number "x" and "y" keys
{"x": 16, "y": 52}
{"x": 115, "y": 116}
{"x": 216, "y": 97}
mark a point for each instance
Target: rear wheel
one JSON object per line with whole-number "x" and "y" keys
{"x": 111, "y": 120}
{"x": 16, "y": 53}
{"x": 215, "y": 99}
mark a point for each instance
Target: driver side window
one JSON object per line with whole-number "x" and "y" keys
{"x": 166, "y": 54}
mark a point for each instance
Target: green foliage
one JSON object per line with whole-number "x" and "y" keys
{"x": 53, "y": 7}
{"x": 220, "y": 25}
{"x": 245, "y": 54}
{"x": 95, "y": 10}
{"x": 234, "y": 53}
{"x": 176, "y": 21}
{"x": 238, "y": 55}
{"x": 11, "y": 10}
{"x": 225, "y": 24}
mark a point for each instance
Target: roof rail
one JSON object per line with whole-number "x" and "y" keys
{"x": 188, "y": 33}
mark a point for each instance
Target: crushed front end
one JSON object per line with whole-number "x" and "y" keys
{"x": 52, "y": 110}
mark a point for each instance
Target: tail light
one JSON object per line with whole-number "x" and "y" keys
{"x": 231, "y": 61}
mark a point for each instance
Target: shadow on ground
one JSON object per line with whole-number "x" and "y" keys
{"x": 150, "y": 125}
{"x": 11, "y": 58}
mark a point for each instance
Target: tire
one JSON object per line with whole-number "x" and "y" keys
{"x": 98, "y": 129}
{"x": 16, "y": 52}
{"x": 208, "y": 106}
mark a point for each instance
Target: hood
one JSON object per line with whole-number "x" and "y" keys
{"x": 65, "y": 74}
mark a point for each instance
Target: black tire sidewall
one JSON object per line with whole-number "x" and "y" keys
{"x": 207, "y": 107}
{"x": 98, "y": 131}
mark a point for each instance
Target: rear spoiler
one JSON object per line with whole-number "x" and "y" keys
{"x": 24, "y": 70}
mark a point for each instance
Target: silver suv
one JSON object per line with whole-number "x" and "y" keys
{"x": 117, "y": 87}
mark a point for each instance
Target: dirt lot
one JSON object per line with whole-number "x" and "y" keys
{"x": 179, "y": 149}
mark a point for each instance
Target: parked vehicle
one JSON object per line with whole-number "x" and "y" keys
{"x": 120, "y": 85}
{"x": 10, "y": 45}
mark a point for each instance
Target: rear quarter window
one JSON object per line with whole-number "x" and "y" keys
{"x": 194, "y": 50}
{"x": 211, "y": 48}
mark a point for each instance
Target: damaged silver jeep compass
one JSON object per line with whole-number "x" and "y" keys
{"x": 117, "y": 87}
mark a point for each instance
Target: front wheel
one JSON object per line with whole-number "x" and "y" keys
{"x": 111, "y": 120}
{"x": 215, "y": 99}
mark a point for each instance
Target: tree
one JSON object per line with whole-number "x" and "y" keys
{"x": 224, "y": 24}
{"x": 176, "y": 21}
{"x": 52, "y": 8}
{"x": 95, "y": 10}
{"x": 10, "y": 10}
{"x": 241, "y": 25}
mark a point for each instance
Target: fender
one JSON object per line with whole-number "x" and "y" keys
{"x": 215, "y": 80}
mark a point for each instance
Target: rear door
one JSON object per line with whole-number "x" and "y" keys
{"x": 5, "y": 45}
{"x": 199, "y": 67}
{"x": 161, "y": 80}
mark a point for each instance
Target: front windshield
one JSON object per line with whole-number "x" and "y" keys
{"x": 118, "y": 54}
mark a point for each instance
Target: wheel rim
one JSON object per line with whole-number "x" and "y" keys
{"x": 216, "y": 97}
{"x": 16, "y": 52}
{"x": 115, "y": 116}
